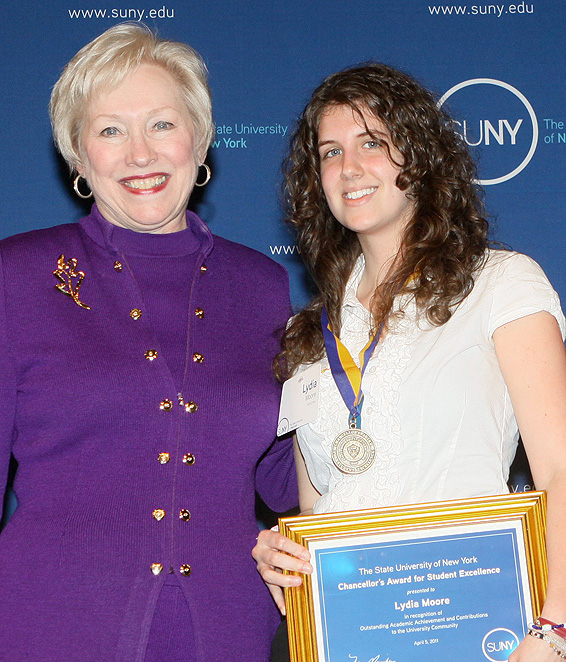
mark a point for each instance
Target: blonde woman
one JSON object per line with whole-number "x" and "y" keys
{"x": 137, "y": 355}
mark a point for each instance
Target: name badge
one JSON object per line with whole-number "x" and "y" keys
{"x": 299, "y": 400}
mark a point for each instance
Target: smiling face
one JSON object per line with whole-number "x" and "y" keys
{"x": 138, "y": 152}
{"x": 358, "y": 174}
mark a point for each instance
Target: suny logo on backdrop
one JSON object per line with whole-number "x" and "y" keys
{"x": 499, "y": 124}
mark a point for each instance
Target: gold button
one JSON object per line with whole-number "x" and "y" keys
{"x": 163, "y": 458}
{"x": 135, "y": 313}
{"x": 158, "y": 514}
{"x": 198, "y": 358}
{"x": 156, "y": 568}
{"x": 185, "y": 569}
{"x": 189, "y": 459}
{"x": 191, "y": 407}
{"x": 185, "y": 515}
{"x": 204, "y": 268}
{"x": 166, "y": 405}
{"x": 199, "y": 312}
{"x": 118, "y": 265}
{"x": 151, "y": 354}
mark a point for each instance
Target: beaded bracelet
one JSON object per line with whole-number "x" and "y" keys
{"x": 554, "y": 640}
{"x": 544, "y": 625}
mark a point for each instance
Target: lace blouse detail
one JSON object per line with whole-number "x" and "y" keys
{"x": 435, "y": 402}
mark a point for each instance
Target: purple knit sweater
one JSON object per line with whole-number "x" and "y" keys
{"x": 85, "y": 411}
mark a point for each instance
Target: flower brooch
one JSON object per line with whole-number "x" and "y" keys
{"x": 70, "y": 278}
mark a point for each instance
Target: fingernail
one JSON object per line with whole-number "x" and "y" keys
{"x": 307, "y": 567}
{"x": 305, "y": 555}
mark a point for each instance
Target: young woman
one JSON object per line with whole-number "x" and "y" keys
{"x": 467, "y": 341}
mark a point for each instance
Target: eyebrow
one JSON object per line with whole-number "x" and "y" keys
{"x": 374, "y": 132}
{"x": 153, "y": 111}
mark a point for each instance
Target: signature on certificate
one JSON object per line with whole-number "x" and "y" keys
{"x": 377, "y": 658}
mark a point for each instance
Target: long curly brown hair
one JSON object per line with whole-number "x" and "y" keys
{"x": 442, "y": 246}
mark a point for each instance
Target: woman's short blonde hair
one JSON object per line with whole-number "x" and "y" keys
{"x": 104, "y": 62}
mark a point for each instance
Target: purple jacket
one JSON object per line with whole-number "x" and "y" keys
{"x": 85, "y": 412}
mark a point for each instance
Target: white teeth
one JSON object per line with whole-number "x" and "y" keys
{"x": 355, "y": 195}
{"x": 150, "y": 182}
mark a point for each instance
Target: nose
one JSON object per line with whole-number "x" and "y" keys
{"x": 141, "y": 152}
{"x": 351, "y": 165}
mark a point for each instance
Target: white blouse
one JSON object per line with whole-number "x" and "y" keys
{"x": 435, "y": 401}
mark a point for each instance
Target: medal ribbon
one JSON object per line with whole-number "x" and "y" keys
{"x": 347, "y": 375}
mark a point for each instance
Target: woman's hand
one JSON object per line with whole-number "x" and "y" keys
{"x": 275, "y": 553}
{"x": 532, "y": 649}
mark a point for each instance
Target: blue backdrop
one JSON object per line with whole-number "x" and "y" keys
{"x": 501, "y": 67}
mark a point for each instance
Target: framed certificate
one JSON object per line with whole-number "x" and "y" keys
{"x": 452, "y": 580}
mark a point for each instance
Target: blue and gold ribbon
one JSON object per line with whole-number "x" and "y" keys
{"x": 347, "y": 375}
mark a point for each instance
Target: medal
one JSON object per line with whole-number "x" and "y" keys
{"x": 353, "y": 450}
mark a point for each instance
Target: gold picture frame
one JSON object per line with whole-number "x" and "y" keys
{"x": 443, "y": 523}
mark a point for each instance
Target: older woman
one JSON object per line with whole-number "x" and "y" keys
{"x": 136, "y": 390}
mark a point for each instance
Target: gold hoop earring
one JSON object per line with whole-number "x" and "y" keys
{"x": 208, "y": 175}
{"x": 77, "y": 191}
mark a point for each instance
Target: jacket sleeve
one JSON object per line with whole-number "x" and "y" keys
{"x": 7, "y": 390}
{"x": 276, "y": 478}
